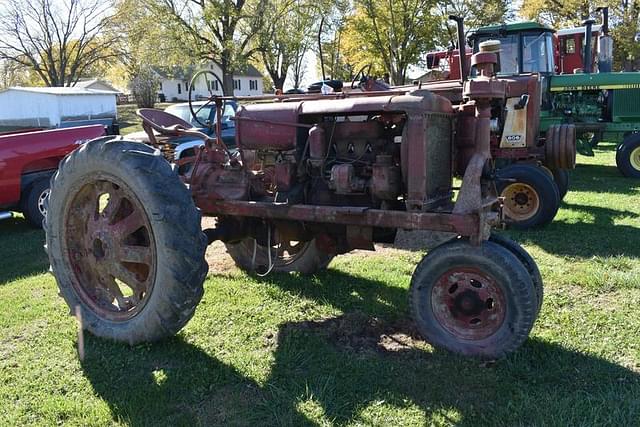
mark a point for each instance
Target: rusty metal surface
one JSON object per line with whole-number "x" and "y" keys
{"x": 465, "y": 225}
{"x": 259, "y": 126}
{"x": 110, "y": 245}
{"x": 468, "y": 303}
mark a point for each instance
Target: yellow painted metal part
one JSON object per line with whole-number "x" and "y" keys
{"x": 514, "y": 134}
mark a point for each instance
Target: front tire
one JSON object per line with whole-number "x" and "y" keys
{"x": 531, "y": 198}
{"x": 628, "y": 156}
{"x": 474, "y": 301}
{"x": 124, "y": 241}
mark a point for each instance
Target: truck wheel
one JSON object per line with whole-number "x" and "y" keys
{"x": 301, "y": 257}
{"x": 34, "y": 202}
{"x": 561, "y": 178}
{"x": 628, "y": 156}
{"x": 531, "y": 198}
{"x": 124, "y": 241}
{"x": 527, "y": 261}
{"x": 475, "y": 301}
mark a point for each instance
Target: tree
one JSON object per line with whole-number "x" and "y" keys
{"x": 395, "y": 32}
{"x": 285, "y": 33}
{"x": 59, "y": 41}
{"x": 558, "y": 14}
{"x": 218, "y": 30}
{"x": 476, "y": 13}
{"x": 12, "y": 74}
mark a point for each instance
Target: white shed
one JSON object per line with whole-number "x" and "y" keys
{"x": 51, "y": 107}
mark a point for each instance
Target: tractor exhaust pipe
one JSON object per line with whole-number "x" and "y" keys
{"x": 587, "y": 45}
{"x": 605, "y": 43}
{"x": 462, "y": 47}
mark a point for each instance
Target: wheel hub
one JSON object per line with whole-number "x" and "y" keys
{"x": 468, "y": 304}
{"x": 521, "y": 201}
{"x": 111, "y": 248}
{"x": 635, "y": 158}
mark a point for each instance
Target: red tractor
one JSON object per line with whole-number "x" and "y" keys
{"x": 314, "y": 176}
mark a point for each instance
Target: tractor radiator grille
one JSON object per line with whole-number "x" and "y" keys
{"x": 626, "y": 105}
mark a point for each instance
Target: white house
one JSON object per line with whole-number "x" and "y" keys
{"x": 174, "y": 82}
{"x": 49, "y": 107}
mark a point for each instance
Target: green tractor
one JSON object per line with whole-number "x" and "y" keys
{"x": 603, "y": 105}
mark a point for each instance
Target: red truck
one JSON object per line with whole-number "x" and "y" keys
{"x": 28, "y": 158}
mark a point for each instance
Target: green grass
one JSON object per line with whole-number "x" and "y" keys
{"x": 128, "y": 120}
{"x": 303, "y": 351}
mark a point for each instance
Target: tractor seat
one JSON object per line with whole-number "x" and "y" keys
{"x": 162, "y": 122}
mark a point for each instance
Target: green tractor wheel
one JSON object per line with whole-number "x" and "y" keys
{"x": 628, "y": 156}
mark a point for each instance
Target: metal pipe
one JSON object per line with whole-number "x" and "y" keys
{"x": 462, "y": 47}
{"x": 587, "y": 45}
{"x": 5, "y": 215}
{"x": 605, "y": 44}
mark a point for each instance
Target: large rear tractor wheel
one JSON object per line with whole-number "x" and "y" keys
{"x": 628, "y": 156}
{"x": 531, "y": 197}
{"x": 289, "y": 256}
{"x": 474, "y": 301}
{"x": 124, "y": 241}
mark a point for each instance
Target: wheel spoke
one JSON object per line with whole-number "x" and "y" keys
{"x": 135, "y": 254}
{"x": 129, "y": 224}
{"x": 129, "y": 278}
{"x": 112, "y": 290}
{"x": 113, "y": 205}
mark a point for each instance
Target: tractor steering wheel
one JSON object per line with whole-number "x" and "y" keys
{"x": 193, "y": 81}
{"x": 363, "y": 73}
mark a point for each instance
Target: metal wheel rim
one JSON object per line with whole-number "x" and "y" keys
{"x": 521, "y": 201}
{"x": 635, "y": 158}
{"x": 42, "y": 198}
{"x": 468, "y": 303}
{"x": 110, "y": 246}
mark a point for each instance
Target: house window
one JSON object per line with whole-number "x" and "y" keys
{"x": 570, "y": 46}
{"x": 179, "y": 88}
{"x": 253, "y": 85}
{"x": 236, "y": 84}
{"x": 215, "y": 84}
{"x": 161, "y": 87}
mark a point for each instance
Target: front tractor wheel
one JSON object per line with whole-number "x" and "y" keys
{"x": 474, "y": 301}
{"x": 531, "y": 197}
{"x": 124, "y": 241}
{"x": 628, "y": 156}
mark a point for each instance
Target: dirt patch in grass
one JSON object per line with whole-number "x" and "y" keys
{"x": 360, "y": 333}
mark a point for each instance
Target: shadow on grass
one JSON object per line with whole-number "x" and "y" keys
{"x": 21, "y": 250}
{"x": 364, "y": 359}
{"x": 600, "y": 237}
{"x": 601, "y": 179}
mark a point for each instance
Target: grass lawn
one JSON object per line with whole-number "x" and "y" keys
{"x": 128, "y": 120}
{"x": 338, "y": 348}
